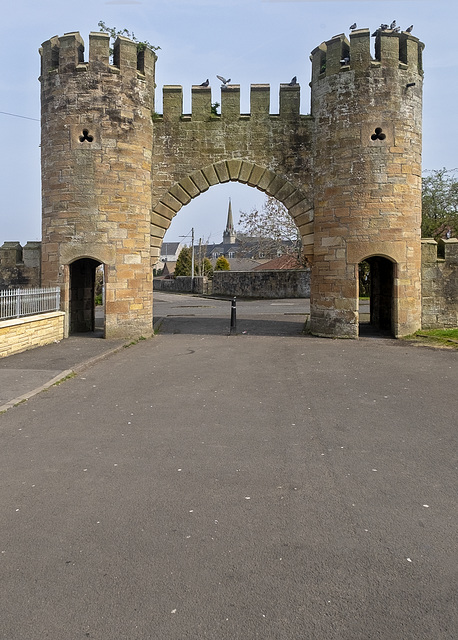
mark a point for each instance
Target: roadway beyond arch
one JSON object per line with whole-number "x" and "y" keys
{"x": 273, "y": 184}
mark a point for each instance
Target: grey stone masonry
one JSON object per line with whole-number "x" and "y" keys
{"x": 439, "y": 286}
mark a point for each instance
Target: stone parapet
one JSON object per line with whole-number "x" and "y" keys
{"x": 392, "y": 50}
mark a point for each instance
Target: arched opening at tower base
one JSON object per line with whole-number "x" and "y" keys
{"x": 82, "y": 295}
{"x": 377, "y": 282}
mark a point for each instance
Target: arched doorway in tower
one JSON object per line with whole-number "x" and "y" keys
{"x": 86, "y": 289}
{"x": 376, "y": 284}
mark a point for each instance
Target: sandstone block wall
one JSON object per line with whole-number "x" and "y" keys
{"x": 439, "y": 284}
{"x": 21, "y": 334}
{"x": 182, "y": 284}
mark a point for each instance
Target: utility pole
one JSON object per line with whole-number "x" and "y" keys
{"x": 192, "y": 260}
{"x": 192, "y": 257}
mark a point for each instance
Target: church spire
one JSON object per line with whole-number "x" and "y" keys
{"x": 229, "y": 236}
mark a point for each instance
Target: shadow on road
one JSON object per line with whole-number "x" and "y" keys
{"x": 265, "y": 326}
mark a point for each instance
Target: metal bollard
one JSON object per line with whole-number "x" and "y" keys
{"x": 233, "y": 314}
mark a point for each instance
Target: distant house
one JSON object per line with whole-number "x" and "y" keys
{"x": 170, "y": 251}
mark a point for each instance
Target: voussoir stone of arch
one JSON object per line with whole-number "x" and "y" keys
{"x": 266, "y": 179}
{"x": 275, "y": 186}
{"x": 222, "y": 171}
{"x": 285, "y": 191}
{"x": 234, "y": 167}
{"x": 245, "y": 171}
{"x": 199, "y": 179}
{"x": 211, "y": 175}
{"x": 164, "y": 210}
{"x": 189, "y": 186}
{"x": 256, "y": 176}
{"x": 180, "y": 194}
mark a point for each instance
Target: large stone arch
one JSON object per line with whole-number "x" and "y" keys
{"x": 297, "y": 201}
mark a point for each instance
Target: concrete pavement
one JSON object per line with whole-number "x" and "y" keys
{"x": 25, "y": 374}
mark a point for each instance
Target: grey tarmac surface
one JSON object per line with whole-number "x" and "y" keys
{"x": 273, "y": 486}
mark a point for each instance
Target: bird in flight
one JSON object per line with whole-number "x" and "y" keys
{"x": 223, "y": 80}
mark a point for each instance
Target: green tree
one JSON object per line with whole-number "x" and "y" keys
{"x": 222, "y": 264}
{"x": 184, "y": 262}
{"x": 364, "y": 279}
{"x": 439, "y": 203}
{"x": 271, "y": 226}
{"x": 207, "y": 268}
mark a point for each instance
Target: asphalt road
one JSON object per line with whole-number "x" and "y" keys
{"x": 200, "y": 485}
{"x": 212, "y": 316}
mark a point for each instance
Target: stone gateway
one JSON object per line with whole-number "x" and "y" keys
{"x": 115, "y": 173}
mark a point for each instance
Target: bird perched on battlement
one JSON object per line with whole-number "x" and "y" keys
{"x": 223, "y": 80}
{"x": 206, "y": 83}
{"x": 353, "y": 26}
{"x": 393, "y": 24}
{"x": 293, "y": 82}
{"x": 409, "y": 29}
{"x": 383, "y": 27}
{"x": 345, "y": 60}
{"x": 396, "y": 29}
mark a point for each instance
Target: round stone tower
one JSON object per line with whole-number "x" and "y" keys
{"x": 367, "y": 181}
{"x": 96, "y": 179}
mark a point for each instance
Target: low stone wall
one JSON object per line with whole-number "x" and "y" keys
{"x": 20, "y": 334}
{"x": 182, "y": 284}
{"x": 439, "y": 285}
{"x": 263, "y": 284}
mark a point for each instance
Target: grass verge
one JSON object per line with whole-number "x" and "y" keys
{"x": 436, "y": 337}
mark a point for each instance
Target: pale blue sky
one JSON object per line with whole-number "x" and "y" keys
{"x": 250, "y": 41}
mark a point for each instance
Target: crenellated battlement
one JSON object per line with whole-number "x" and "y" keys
{"x": 66, "y": 54}
{"x": 201, "y": 106}
{"x": 392, "y": 49}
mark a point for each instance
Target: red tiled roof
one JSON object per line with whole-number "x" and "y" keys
{"x": 282, "y": 262}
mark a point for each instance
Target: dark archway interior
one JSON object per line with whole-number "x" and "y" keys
{"x": 82, "y": 292}
{"x": 381, "y": 274}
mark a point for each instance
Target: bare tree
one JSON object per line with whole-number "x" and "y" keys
{"x": 271, "y": 228}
